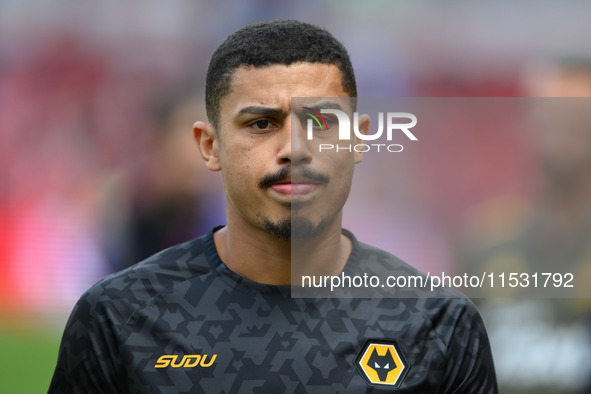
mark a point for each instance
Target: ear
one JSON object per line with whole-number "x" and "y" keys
{"x": 364, "y": 123}
{"x": 207, "y": 142}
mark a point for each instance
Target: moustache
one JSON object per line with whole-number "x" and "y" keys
{"x": 285, "y": 173}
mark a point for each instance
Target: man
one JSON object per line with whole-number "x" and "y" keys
{"x": 215, "y": 315}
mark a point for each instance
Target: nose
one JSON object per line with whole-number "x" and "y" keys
{"x": 294, "y": 148}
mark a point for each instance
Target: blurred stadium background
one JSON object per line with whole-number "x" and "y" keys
{"x": 99, "y": 170}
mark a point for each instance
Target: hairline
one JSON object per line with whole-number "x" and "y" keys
{"x": 247, "y": 66}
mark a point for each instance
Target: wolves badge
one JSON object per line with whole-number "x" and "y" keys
{"x": 381, "y": 364}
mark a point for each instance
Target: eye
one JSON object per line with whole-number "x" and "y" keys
{"x": 387, "y": 366}
{"x": 262, "y": 124}
{"x": 376, "y": 365}
{"x": 330, "y": 119}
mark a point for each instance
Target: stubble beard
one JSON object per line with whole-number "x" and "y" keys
{"x": 294, "y": 226}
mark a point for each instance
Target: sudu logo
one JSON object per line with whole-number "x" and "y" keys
{"x": 187, "y": 361}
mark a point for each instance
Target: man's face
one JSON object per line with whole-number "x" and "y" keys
{"x": 273, "y": 176}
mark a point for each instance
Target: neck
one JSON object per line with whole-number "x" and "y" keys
{"x": 256, "y": 255}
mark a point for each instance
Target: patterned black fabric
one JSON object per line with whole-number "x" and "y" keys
{"x": 181, "y": 322}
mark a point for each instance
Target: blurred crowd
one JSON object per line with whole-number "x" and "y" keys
{"x": 98, "y": 168}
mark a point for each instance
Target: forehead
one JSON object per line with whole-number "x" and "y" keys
{"x": 275, "y": 85}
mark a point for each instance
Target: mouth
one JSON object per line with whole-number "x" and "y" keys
{"x": 289, "y": 188}
{"x": 298, "y": 186}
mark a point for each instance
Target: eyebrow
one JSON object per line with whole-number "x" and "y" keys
{"x": 325, "y": 105}
{"x": 263, "y": 111}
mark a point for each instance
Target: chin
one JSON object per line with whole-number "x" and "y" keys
{"x": 295, "y": 228}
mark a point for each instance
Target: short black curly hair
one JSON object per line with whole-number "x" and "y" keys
{"x": 273, "y": 42}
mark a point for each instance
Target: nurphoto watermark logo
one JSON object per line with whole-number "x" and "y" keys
{"x": 395, "y": 123}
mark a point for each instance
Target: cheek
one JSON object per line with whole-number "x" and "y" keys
{"x": 339, "y": 168}
{"x": 240, "y": 174}
{"x": 237, "y": 174}
{"x": 343, "y": 187}
{"x": 340, "y": 164}
{"x": 246, "y": 160}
